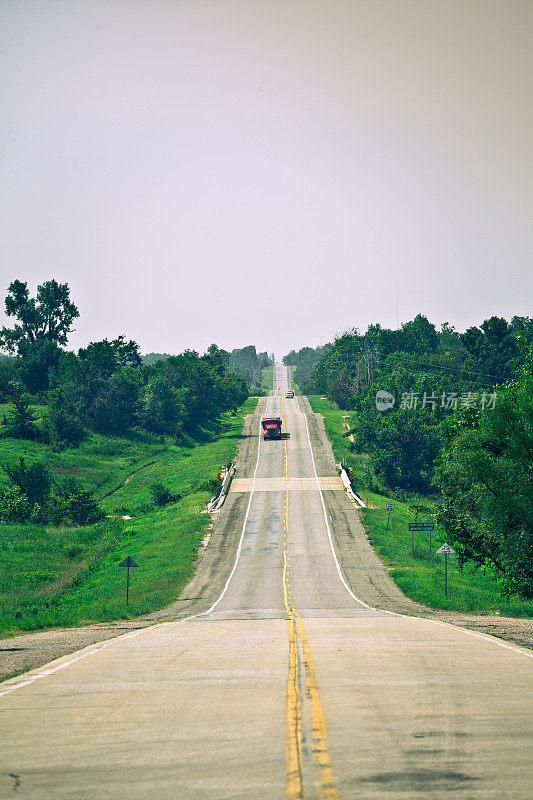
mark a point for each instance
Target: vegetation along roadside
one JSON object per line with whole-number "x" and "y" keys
{"x": 69, "y": 575}
{"x": 105, "y": 454}
{"x": 471, "y": 589}
{"x": 440, "y": 423}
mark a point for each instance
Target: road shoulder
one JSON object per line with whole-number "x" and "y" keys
{"x": 27, "y": 651}
{"x": 363, "y": 570}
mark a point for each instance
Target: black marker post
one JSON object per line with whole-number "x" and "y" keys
{"x": 128, "y": 562}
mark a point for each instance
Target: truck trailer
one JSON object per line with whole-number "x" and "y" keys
{"x": 271, "y": 428}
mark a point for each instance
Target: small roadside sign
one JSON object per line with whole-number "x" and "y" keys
{"x": 128, "y": 562}
{"x": 421, "y": 526}
{"x": 389, "y": 509}
{"x": 445, "y": 549}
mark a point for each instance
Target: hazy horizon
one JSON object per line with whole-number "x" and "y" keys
{"x": 267, "y": 173}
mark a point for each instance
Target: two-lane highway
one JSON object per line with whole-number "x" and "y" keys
{"x": 289, "y": 685}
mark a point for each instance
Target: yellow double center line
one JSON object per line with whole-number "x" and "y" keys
{"x": 321, "y": 756}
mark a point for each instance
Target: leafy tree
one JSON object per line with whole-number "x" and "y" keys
{"x": 100, "y": 358}
{"x": 21, "y": 423}
{"x": 522, "y": 327}
{"x": 247, "y": 362}
{"x": 49, "y": 316}
{"x": 62, "y": 426}
{"x": 494, "y": 347}
{"x": 96, "y": 382}
{"x": 41, "y": 328}
{"x": 234, "y": 390}
{"x": 9, "y": 383}
{"x": 36, "y": 364}
{"x": 113, "y": 409}
{"x": 419, "y": 336}
{"x": 217, "y": 359}
{"x": 337, "y": 367}
{"x": 72, "y": 503}
{"x": 127, "y": 353}
{"x": 486, "y": 475}
{"x": 34, "y": 481}
{"x": 35, "y": 496}
{"x": 188, "y": 372}
{"x": 305, "y": 360}
{"x": 404, "y": 445}
{"x": 186, "y": 391}
{"x": 162, "y": 405}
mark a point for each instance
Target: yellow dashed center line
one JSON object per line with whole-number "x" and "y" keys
{"x": 321, "y": 756}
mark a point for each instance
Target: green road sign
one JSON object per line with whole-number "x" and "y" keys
{"x": 421, "y": 526}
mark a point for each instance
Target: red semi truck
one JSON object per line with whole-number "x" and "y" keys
{"x": 271, "y": 428}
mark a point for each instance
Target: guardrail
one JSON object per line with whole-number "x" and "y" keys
{"x": 218, "y": 501}
{"x": 347, "y": 483}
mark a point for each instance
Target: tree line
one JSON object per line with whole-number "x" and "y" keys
{"x": 455, "y": 422}
{"x": 103, "y": 388}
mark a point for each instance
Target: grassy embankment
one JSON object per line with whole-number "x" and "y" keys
{"x": 420, "y": 577}
{"x": 67, "y": 576}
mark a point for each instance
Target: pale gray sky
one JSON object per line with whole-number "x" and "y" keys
{"x": 267, "y": 172}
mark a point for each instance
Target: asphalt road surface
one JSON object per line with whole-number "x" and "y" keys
{"x": 288, "y": 683}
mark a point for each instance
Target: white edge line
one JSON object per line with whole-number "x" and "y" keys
{"x": 370, "y": 608}
{"x": 485, "y": 636}
{"x": 43, "y": 672}
{"x": 239, "y": 548}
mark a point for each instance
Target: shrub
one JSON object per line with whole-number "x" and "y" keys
{"x": 74, "y": 504}
{"x": 62, "y": 425}
{"x": 21, "y": 422}
{"x": 34, "y": 481}
{"x": 161, "y": 495}
{"x": 14, "y": 505}
{"x": 82, "y": 509}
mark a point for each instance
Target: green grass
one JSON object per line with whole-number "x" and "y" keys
{"x": 38, "y": 410}
{"x": 184, "y": 470}
{"x": 68, "y": 576}
{"x": 101, "y": 463}
{"x": 342, "y": 446}
{"x": 420, "y": 577}
{"x": 5, "y": 407}
{"x": 267, "y": 378}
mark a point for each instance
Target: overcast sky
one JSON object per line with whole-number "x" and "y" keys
{"x": 267, "y": 172}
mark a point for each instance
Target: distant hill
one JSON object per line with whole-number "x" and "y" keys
{"x": 151, "y": 358}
